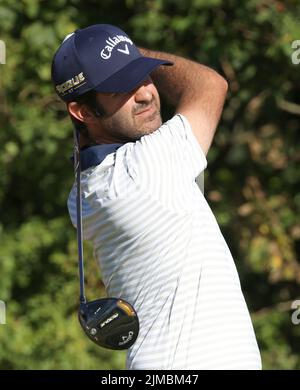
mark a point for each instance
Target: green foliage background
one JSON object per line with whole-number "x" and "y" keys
{"x": 252, "y": 180}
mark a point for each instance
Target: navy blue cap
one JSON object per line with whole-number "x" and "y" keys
{"x": 100, "y": 57}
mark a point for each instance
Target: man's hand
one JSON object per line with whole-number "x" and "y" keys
{"x": 197, "y": 92}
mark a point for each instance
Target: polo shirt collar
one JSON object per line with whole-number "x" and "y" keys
{"x": 94, "y": 155}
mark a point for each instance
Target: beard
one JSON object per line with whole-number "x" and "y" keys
{"x": 131, "y": 127}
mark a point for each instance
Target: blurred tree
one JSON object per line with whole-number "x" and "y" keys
{"x": 252, "y": 180}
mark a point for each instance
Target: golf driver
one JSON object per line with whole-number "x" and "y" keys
{"x": 109, "y": 322}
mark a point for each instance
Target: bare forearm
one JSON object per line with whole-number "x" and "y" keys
{"x": 197, "y": 92}
{"x": 186, "y": 79}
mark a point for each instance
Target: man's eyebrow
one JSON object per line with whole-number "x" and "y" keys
{"x": 113, "y": 94}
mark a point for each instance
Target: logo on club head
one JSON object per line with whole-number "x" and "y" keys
{"x": 97, "y": 311}
{"x": 108, "y": 320}
{"x": 126, "y": 339}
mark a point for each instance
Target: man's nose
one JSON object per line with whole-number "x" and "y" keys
{"x": 143, "y": 93}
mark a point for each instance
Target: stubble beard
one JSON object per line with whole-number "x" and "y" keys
{"x": 133, "y": 128}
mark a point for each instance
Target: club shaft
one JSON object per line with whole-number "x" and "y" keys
{"x": 77, "y": 170}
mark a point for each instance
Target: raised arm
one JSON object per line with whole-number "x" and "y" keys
{"x": 197, "y": 92}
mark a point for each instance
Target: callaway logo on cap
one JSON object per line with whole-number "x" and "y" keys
{"x": 100, "y": 57}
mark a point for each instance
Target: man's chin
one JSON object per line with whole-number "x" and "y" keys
{"x": 154, "y": 122}
{"x": 151, "y": 129}
{"x": 148, "y": 125}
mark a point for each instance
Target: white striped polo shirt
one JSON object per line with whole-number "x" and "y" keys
{"x": 159, "y": 246}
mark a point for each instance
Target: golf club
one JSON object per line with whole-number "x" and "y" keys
{"x": 111, "y": 323}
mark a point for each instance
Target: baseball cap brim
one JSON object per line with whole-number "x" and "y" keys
{"x": 131, "y": 75}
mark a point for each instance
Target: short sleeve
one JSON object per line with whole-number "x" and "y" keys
{"x": 167, "y": 159}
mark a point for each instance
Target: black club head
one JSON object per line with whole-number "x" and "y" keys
{"x": 109, "y": 322}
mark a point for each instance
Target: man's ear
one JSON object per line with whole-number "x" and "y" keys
{"x": 80, "y": 111}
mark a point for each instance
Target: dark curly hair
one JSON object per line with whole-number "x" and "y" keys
{"x": 90, "y": 100}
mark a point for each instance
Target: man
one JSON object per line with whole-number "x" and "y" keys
{"x": 155, "y": 238}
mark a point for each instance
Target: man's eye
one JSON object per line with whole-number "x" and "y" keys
{"x": 114, "y": 95}
{"x": 109, "y": 94}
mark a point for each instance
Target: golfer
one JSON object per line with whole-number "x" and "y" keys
{"x": 155, "y": 238}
